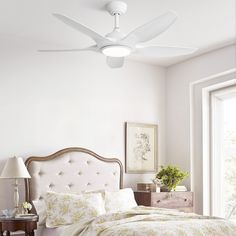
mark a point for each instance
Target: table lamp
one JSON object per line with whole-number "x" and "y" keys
{"x": 15, "y": 169}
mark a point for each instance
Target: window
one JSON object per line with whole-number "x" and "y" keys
{"x": 203, "y": 94}
{"x": 223, "y": 152}
{"x": 229, "y": 157}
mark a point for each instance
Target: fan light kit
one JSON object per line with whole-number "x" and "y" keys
{"x": 117, "y": 45}
{"x": 116, "y": 51}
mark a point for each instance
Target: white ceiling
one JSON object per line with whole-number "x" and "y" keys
{"x": 29, "y": 25}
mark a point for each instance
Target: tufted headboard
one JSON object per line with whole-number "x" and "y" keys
{"x": 72, "y": 170}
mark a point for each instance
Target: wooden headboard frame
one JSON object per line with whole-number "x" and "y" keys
{"x": 65, "y": 151}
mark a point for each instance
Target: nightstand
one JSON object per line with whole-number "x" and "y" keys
{"x": 27, "y": 224}
{"x": 182, "y": 201}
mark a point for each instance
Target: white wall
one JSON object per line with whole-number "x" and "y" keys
{"x": 179, "y": 79}
{"x": 52, "y": 101}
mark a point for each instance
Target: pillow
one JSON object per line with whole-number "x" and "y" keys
{"x": 40, "y": 208}
{"x": 66, "y": 209}
{"x": 102, "y": 191}
{"x": 121, "y": 200}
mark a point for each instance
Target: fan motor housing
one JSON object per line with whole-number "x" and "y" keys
{"x": 116, "y": 7}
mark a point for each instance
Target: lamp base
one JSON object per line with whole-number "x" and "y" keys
{"x": 16, "y": 197}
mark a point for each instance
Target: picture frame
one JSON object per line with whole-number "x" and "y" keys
{"x": 140, "y": 148}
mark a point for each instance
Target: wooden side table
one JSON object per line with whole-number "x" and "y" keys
{"x": 182, "y": 201}
{"x": 27, "y": 224}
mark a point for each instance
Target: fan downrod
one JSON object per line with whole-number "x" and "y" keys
{"x": 116, "y": 7}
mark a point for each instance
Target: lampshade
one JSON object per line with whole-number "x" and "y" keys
{"x": 15, "y": 169}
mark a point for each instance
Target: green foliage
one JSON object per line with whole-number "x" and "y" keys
{"x": 171, "y": 176}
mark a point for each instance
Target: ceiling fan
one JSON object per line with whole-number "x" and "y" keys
{"x": 116, "y": 45}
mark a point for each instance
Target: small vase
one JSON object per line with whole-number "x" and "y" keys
{"x": 26, "y": 211}
{"x": 165, "y": 189}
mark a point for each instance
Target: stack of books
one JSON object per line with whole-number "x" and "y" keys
{"x": 23, "y": 216}
{"x": 181, "y": 188}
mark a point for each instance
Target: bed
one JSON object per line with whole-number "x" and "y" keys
{"x": 74, "y": 170}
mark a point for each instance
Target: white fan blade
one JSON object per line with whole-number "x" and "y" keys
{"x": 151, "y": 29}
{"x": 92, "y": 48}
{"x": 77, "y": 26}
{"x": 115, "y": 62}
{"x": 156, "y": 51}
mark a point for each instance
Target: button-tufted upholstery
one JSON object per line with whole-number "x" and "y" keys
{"x": 72, "y": 170}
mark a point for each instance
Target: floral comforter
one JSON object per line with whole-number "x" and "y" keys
{"x": 147, "y": 221}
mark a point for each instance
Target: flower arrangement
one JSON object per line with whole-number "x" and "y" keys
{"x": 170, "y": 177}
{"x": 26, "y": 207}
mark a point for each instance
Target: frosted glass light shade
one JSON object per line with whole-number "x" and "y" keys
{"x": 116, "y": 51}
{"x": 15, "y": 169}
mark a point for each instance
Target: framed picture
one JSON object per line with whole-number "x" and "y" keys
{"x": 140, "y": 148}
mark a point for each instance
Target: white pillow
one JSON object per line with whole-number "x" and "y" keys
{"x": 40, "y": 207}
{"x": 102, "y": 191}
{"x": 66, "y": 209}
{"x": 121, "y": 200}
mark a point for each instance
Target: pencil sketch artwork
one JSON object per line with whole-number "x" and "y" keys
{"x": 142, "y": 147}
